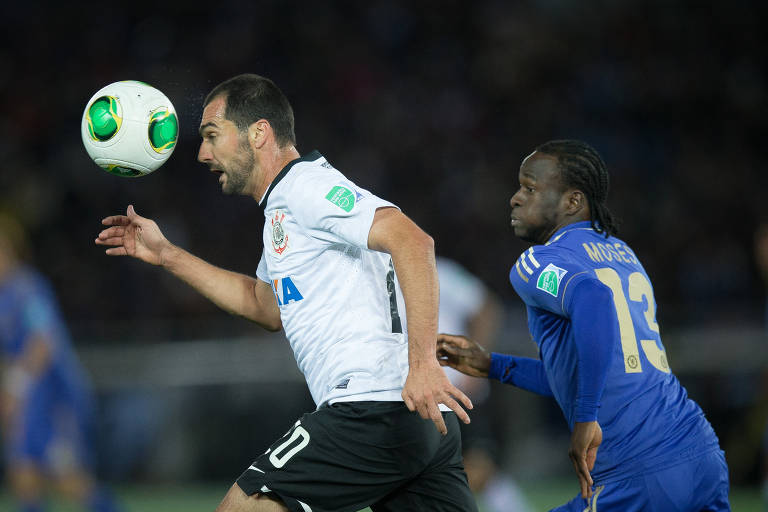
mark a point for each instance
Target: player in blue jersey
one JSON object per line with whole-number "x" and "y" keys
{"x": 45, "y": 403}
{"x": 638, "y": 443}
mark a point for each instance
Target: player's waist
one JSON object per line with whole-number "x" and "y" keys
{"x": 649, "y": 464}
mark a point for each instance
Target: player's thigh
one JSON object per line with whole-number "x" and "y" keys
{"x": 344, "y": 457}
{"x": 441, "y": 486}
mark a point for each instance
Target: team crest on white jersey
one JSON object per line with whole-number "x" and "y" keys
{"x": 279, "y": 236}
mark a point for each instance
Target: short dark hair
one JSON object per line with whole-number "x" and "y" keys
{"x": 251, "y": 97}
{"x": 581, "y": 167}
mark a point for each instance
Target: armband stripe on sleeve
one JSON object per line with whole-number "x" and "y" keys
{"x": 533, "y": 260}
{"x": 520, "y": 273}
{"x": 525, "y": 265}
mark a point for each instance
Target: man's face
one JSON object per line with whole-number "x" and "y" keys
{"x": 225, "y": 150}
{"x": 537, "y": 205}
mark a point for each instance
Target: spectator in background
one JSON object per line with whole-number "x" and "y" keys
{"x": 761, "y": 259}
{"x": 468, "y": 307}
{"x": 45, "y": 401}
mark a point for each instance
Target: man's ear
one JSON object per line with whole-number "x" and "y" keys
{"x": 576, "y": 202}
{"x": 259, "y": 132}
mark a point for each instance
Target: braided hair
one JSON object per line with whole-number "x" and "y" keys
{"x": 581, "y": 167}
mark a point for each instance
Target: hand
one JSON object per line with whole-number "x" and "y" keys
{"x": 585, "y": 439}
{"x": 463, "y": 354}
{"x": 426, "y": 387}
{"x": 133, "y": 235}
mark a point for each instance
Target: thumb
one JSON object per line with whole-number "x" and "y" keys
{"x": 131, "y": 212}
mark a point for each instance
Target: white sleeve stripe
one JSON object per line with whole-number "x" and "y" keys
{"x": 525, "y": 266}
{"x": 533, "y": 260}
{"x": 522, "y": 276}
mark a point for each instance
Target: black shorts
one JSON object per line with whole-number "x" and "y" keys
{"x": 350, "y": 455}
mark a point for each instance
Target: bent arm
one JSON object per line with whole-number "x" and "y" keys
{"x": 590, "y": 304}
{"x": 523, "y": 372}
{"x": 235, "y": 293}
{"x": 413, "y": 256}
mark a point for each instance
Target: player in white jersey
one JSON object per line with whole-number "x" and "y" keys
{"x": 327, "y": 276}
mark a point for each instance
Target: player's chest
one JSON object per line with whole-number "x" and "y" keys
{"x": 287, "y": 245}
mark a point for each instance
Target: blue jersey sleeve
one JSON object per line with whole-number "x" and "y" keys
{"x": 551, "y": 280}
{"x": 590, "y": 304}
{"x": 523, "y": 372}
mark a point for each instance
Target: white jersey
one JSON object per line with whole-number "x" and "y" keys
{"x": 461, "y": 296}
{"x": 337, "y": 298}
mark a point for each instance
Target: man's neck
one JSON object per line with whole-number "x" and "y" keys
{"x": 271, "y": 164}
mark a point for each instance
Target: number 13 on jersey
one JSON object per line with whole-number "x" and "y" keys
{"x": 640, "y": 292}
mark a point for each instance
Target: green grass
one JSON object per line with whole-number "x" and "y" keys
{"x": 542, "y": 495}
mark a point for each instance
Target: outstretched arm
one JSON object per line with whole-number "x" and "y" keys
{"x": 470, "y": 358}
{"x": 413, "y": 255}
{"x": 239, "y": 294}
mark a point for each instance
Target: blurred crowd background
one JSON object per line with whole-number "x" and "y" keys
{"x": 432, "y": 106}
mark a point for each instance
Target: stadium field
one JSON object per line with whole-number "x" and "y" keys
{"x": 542, "y": 496}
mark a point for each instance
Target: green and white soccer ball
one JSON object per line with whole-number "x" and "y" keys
{"x": 129, "y": 128}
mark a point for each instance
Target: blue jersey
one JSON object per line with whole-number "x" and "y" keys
{"x": 28, "y": 307}
{"x": 592, "y": 313}
{"x": 58, "y": 401}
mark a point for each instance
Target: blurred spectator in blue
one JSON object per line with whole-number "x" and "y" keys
{"x": 45, "y": 401}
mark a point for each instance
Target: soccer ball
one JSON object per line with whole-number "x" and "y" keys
{"x": 129, "y": 128}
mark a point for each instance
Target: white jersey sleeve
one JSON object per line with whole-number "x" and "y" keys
{"x": 334, "y": 209}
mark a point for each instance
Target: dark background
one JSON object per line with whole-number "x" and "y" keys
{"x": 432, "y": 106}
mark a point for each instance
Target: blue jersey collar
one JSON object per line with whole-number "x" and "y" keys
{"x": 584, "y": 224}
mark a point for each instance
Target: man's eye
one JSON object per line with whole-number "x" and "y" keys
{"x": 530, "y": 189}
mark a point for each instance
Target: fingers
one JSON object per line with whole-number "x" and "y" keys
{"x": 456, "y": 392}
{"x": 116, "y": 220}
{"x": 121, "y": 220}
{"x": 437, "y": 418}
{"x": 116, "y": 251}
{"x": 585, "y": 479}
{"x": 452, "y": 340}
{"x": 112, "y": 232}
{"x": 447, "y": 347}
{"x": 115, "y": 240}
{"x": 455, "y": 407}
{"x": 408, "y": 401}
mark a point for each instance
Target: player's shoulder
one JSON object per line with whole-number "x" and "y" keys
{"x": 26, "y": 281}
{"x": 314, "y": 180}
{"x": 538, "y": 260}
